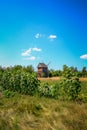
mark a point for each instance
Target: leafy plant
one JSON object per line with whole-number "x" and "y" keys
{"x": 8, "y": 93}
{"x": 44, "y": 90}
{"x": 20, "y": 81}
{"x": 70, "y": 84}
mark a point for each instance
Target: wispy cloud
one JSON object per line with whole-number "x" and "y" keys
{"x": 28, "y": 53}
{"x": 38, "y": 35}
{"x": 52, "y": 37}
{"x": 30, "y": 58}
{"x": 84, "y": 57}
{"x": 36, "y": 49}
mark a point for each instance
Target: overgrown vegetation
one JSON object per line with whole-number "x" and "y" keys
{"x": 68, "y": 88}
{"x": 25, "y": 81}
{"x": 29, "y": 104}
{"x": 70, "y": 84}
{"x": 22, "y": 112}
{"x": 22, "y": 82}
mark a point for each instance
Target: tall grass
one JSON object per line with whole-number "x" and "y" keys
{"x": 22, "y": 112}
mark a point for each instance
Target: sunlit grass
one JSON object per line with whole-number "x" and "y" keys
{"x": 23, "y": 112}
{"x": 33, "y": 113}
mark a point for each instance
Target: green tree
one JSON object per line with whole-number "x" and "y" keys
{"x": 29, "y": 69}
{"x": 17, "y": 68}
{"x": 84, "y": 72}
{"x": 1, "y": 73}
{"x": 55, "y": 73}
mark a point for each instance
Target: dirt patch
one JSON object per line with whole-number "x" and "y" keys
{"x": 53, "y": 78}
{"x": 58, "y": 78}
{"x": 83, "y": 79}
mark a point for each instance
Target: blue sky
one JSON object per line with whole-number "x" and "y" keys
{"x": 33, "y": 31}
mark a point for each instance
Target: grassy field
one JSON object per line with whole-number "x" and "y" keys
{"x": 22, "y": 112}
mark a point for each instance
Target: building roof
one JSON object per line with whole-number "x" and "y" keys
{"x": 42, "y": 65}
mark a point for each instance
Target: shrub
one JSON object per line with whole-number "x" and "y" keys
{"x": 20, "y": 81}
{"x": 49, "y": 90}
{"x": 8, "y": 93}
{"x": 70, "y": 85}
{"x": 44, "y": 90}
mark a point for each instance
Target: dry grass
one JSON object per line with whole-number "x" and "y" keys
{"x": 47, "y": 79}
{"x": 23, "y": 112}
{"x": 83, "y": 79}
{"x": 34, "y": 113}
{"x": 58, "y": 78}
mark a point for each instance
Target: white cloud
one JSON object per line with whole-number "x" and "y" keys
{"x": 36, "y": 49}
{"x": 84, "y": 57}
{"x": 27, "y": 52}
{"x": 30, "y": 50}
{"x": 30, "y": 58}
{"x": 37, "y": 35}
{"x": 52, "y": 37}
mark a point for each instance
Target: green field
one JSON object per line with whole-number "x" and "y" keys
{"x": 23, "y": 112}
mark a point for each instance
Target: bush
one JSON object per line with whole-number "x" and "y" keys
{"x": 20, "y": 81}
{"x": 70, "y": 85}
{"x": 1, "y": 89}
{"x": 47, "y": 90}
{"x": 8, "y": 93}
{"x": 44, "y": 90}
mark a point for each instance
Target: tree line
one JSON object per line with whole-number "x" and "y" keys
{"x": 52, "y": 72}
{"x": 80, "y": 73}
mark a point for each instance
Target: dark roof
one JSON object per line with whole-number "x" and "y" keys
{"x": 42, "y": 65}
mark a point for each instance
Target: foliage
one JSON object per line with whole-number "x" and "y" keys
{"x": 29, "y": 69}
{"x": 48, "y": 90}
{"x": 1, "y": 89}
{"x": 83, "y": 93}
{"x": 24, "y": 80}
{"x": 44, "y": 90}
{"x": 54, "y": 73}
{"x": 81, "y": 73}
{"x": 8, "y": 94}
{"x": 68, "y": 87}
{"x": 70, "y": 84}
{"x": 20, "y": 81}
{"x": 84, "y": 72}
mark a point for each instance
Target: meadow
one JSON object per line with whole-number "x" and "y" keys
{"x": 24, "y": 112}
